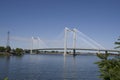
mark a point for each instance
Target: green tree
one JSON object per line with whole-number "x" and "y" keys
{"x": 6, "y": 78}
{"x": 117, "y": 43}
{"x": 103, "y": 56}
{"x": 2, "y": 49}
{"x": 109, "y": 68}
{"x": 19, "y": 51}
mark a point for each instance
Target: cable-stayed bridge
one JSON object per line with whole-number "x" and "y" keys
{"x": 72, "y": 39}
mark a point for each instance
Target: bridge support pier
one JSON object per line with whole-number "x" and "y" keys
{"x": 74, "y": 52}
{"x": 106, "y": 52}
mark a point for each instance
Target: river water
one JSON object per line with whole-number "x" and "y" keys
{"x": 49, "y": 67}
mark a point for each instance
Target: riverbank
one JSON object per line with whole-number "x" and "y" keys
{"x": 4, "y": 54}
{"x": 10, "y": 54}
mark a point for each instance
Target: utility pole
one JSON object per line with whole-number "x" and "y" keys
{"x": 8, "y": 49}
{"x": 8, "y": 39}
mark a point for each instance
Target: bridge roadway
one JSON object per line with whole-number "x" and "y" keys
{"x": 109, "y": 50}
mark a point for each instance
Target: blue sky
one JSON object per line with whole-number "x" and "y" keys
{"x": 98, "y": 19}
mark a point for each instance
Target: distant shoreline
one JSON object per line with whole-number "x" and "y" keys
{"x": 77, "y": 53}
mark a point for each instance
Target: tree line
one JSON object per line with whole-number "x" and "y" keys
{"x": 9, "y": 51}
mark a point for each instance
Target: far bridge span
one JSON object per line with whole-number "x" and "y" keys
{"x": 109, "y": 50}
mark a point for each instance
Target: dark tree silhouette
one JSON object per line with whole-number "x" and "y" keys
{"x": 117, "y": 43}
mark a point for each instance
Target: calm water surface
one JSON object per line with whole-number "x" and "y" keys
{"x": 49, "y": 67}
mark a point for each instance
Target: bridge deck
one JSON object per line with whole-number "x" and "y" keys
{"x": 110, "y": 50}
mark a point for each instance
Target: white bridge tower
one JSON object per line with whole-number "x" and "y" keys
{"x": 65, "y": 39}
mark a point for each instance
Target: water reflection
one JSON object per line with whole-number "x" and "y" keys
{"x": 48, "y": 67}
{"x": 4, "y": 66}
{"x": 70, "y": 68}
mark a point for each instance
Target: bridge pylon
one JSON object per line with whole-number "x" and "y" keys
{"x": 31, "y": 51}
{"x": 65, "y": 39}
{"x": 74, "y": 39}
{"x": 38, "y": 43}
